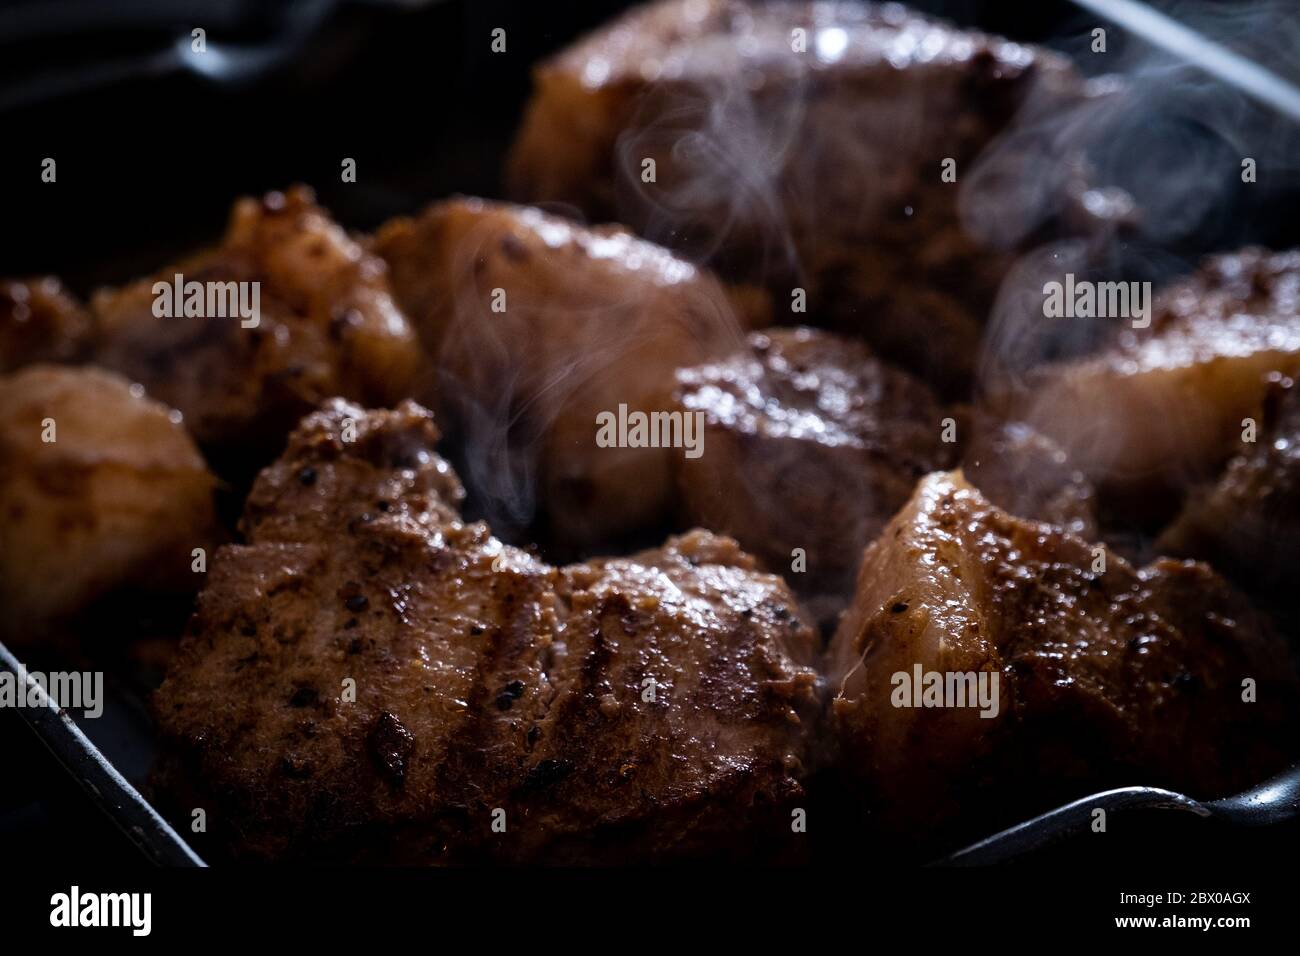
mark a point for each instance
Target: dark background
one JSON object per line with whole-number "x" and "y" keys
{"x": 148, "y": 165}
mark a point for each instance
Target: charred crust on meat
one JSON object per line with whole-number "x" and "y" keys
{"x": 390, "y": 745}
{"x": 295, "y": 768}
{"x": 304, "y": 697}
{"x": 545, "y": 773}
{"x": 509, "y": 694}
{"x": 543, "y": 712}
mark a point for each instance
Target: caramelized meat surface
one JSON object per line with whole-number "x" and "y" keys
{"x": 40, "y": 321}
{"x": 1025, "y": 473}
{"x": 539, "y": 326}
{"x": 100, "y": 488}
{"x": 644, "y": 708}
{"x": 1247, "y": 523}
{"x": 810, "y": 444}
{"x": 800, "y": 142}
{"x": 327, "y": 325}
{"x": 1165, "y": 405}
{"x": 1105, "y": 677}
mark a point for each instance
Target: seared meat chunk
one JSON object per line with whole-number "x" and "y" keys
{"x": 327, "y": 325}
{"x": 100, "y": 488}
{"x": 1165, "y": 405}
{"x": 1247, "y": 524}
{"x": 810, "y": 443}
{"x": 801, "y": 142}
{"x": 40, "y": 321}
{"x": 1025, "y": 473}
{"x": 683, "y": 701}
{"x": 645, "y": 708}
{"x": 1105, "y": 677}
{"x": 539, "y": 326}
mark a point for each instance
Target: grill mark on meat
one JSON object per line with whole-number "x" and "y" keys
{"x": 600, "y": 655}
{"x": 565, "y": 725}
{"x": 584, "y": 769}
{"x": 457, "y": 775}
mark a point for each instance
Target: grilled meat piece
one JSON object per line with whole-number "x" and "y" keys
{"x": 1247, "y": 524}
{"x": 40, "y": 321}
{"x": 100, "y": 488}
{"x": 539, "y": 326}
{"x": 327, "y": 326}
{"x": 683, "y": 704}
{"x": 810, "y": 443}
{"x": 801, "y": 142}
{"x": 1028, "y": 475}
{"x": 1109, "y": 677}
{"x": 643, "y": 708}
{"x": 1165, "y": 405}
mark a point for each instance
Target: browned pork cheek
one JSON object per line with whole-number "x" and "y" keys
{"x": 810, "y": 445}
{"x": 539, "y": 327}
{"x": 326, "y": 326}
{"x": 370, "y": 679}
{"x": 822, "y": 147}
{"x": 1107, "y": 675}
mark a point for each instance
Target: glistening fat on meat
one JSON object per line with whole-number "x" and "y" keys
{"x": 541, "y": 326}
{"x": 824, "y": 146}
